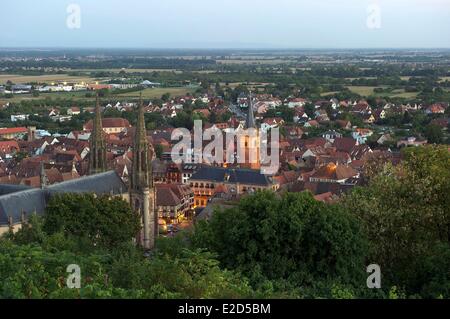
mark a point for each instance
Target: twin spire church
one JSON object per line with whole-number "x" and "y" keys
{"x": 18, "y": 202}
{"x": 141, "y": 193}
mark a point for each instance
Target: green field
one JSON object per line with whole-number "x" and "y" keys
{"x": 369, "y": 90}
{"x": 81, "y": 95}
{"x": 362, "y": 90}
{"x": 48, "y": 78}
{"x": 153, "y": 93}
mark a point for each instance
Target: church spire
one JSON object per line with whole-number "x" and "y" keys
{"x": 141, "y": 175}
{"x": 43, "y": 177}
{"x": 142, "y": 193}
{"x": 250, "y": 123}
{"x": 97, "y": 145}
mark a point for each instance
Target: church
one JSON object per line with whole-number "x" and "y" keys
{"x": 17, "y": 202}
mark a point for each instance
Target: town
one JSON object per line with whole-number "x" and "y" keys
{"x": 324, "y": 146}
{"x": 216, "y": 152}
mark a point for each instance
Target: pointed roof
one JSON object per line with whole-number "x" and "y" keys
{"x": 250, "y": 122}
{"x": 141, "y": 174}
{"x": 97, "y": 145}
{"x": 141, "y": 133}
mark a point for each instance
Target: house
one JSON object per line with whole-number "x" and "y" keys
{"x": 330, "y": 136}
{"x": 334, "y": 103}
{"x": 343, "y": 124}
{"x": 368, "y": 119}
{"x": 96, "y": 87}
{"x": 296, "y": 102}
{"x": 271, "y": 122}
{"x": 321, "y": 104}
{"x": 411, "y": 141}
{"x": 436, "y": 108}
{"x": 110, "y": 125}
{"x": 293, "y": 131}
{"x": 53, "y": 112}
{"x": 79, "y": 135}
{"x": 361, "y": 135}
{"x": 441, "y": 122}
{"x": 73, "y": 111}
{"x": 208, "y": 180}
{"x": 261, "y": 107}
{"x": 344, "y": 144}
{"x": 385, "y": 138}
{"x": 300, "y": 116}
{"x": 187, "y": 170}
{"x": 13, "y": 133}
{"x": 379, "y": 114}
{"x": 312, "y": 123}
{"x": 333, "y": 173}
{"x": 362, "y": 108}
{"x": 8, "y": 149}
{"x": 174, "y": 202}
{"x": 21, "y": 88}
{"x": 19, "y": 117}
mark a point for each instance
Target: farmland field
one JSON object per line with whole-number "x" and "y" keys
{"x": 362, "y": 90}
{"x": 153, "y": 93}
{"x": 127, "y": 70}
{"x": 254, "y": 61}
{"x": 16, "y": 78}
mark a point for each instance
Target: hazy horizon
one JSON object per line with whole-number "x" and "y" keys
{"x": 227, "y": 24}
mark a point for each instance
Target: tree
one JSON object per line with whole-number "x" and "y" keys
{"x": 434, "y": 134}
{"x": 159, "y": 150}
{"x": 103, "y": 220}
{"x": 405, "y": 214}
{"x": 165, "y": 97}
{"x": 279, "y": 238}
{"x": 310, "y": 109}
{"x": 38, "y": 270}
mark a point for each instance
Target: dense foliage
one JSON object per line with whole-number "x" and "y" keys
{"x": 294, "y": 238}
{"x": 405, "y": 211}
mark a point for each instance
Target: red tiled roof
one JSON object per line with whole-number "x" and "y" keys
{"x": 334, "y": 172}
{"x": 109, "y": 122}
{"x": 12, "y": 130}
{"x": 8, "y": 146}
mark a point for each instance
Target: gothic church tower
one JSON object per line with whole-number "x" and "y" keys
{"x": 252, "y": 143}
{"x": 142, "y": 193}
{"x": 97, "y": 145}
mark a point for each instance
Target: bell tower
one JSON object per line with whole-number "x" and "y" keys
{"x": 142, "y": 193}
{"x": 97, "y": 145}
{"x": 252, "y": 141}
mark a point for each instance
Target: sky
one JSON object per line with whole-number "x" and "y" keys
{"x": 225, "y": 23}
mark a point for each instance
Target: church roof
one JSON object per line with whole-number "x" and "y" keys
{"x": 103, "y": 183}
{"x": 15, "y": 199}
{"x": 27, "y": 201}
{"x": 243, "y": 176}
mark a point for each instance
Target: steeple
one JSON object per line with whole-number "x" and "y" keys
{"x": 141, "y": 175}
{"x": 97, "y": 145}
{"x": 142, "y": 193}
{"x": 43, "y": 177}
{"x": 250, "y": 122}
